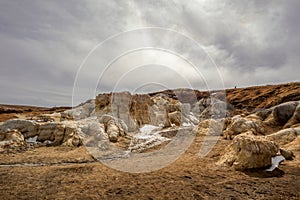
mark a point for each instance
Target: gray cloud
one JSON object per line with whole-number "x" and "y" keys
{"x": 44, "y": 42}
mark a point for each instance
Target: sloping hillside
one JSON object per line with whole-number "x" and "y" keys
{"x": 257, "y": 97}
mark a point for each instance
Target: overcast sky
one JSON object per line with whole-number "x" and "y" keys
{"x": 44, "y": 43}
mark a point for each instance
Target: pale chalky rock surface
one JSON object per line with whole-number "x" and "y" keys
{"x": 28, "y": 128}
{"x": 284, "y": 136}
{"x": 248, "y": 152}
{"x": 11, "y": 139}
{"x": 241, "y": 124}
{"x": 58, "y": 133}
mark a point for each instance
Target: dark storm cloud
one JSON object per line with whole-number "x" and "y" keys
{"x": 44, "y": 42}
{"x": 253, "y": 33}
{"x": 245, "y": 31}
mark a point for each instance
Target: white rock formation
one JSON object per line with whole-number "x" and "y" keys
{"x": 59, "y": 133}
{"x": 27, "y": 127}
{"x": 11, "y": 140}
{"x": 284, "y": 136}
{"x": 113, "y": 127}
{"x": 82, "y": 111}
{"x": 241, "y": 124}
{"x": 92, "y": 132}
{"x": 248, "y": 152}
{"x": 147, "y": 138}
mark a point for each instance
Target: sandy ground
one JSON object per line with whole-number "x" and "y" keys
{"x": 71, "y": 173}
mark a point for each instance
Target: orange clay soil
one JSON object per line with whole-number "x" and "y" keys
{"x": 258, "y": 97}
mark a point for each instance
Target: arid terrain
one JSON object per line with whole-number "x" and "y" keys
{"x": 70, "y": 172}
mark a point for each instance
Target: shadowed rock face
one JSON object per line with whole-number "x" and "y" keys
{"x": 285, "y": 115}
{"x": 140, "y": 109}
{"x": 283, "y": 112}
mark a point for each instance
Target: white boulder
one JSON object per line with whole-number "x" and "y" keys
{"x": 248, "y": 152}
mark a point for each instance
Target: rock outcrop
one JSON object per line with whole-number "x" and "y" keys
{"x": 11, "y": 140}
{"x": 112, "y": 118}
{"x": 211, "y": 127}
{"x": 239, "y": 124}
{"x": 113, "y": 127}
{"x": 140, "y": 109}
{"x": 287, "y": 154}
{"x": 285, "y": 115}
{"x": 283, "y": 112}
{"x": 140, "y": 143}
{"x": 27, "y": 127}
{"x": 248, "y": 152}
{"x": 175, "y": 118}
{"x": 82, "y": 111}
{"x": 57, "y": 133}
{"x": 211, "y": 107}
{"x": 284, "y": 136}
{"x": 132, "y": 109}
{"x": 264, "y": 122}
{"x": 92, "y": 133}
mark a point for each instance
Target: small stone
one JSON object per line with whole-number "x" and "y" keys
{"x": 287, "y": 154}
